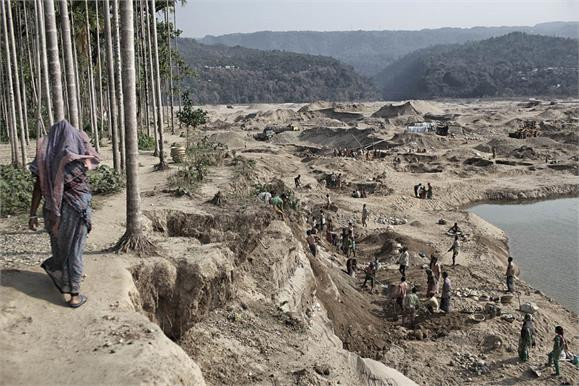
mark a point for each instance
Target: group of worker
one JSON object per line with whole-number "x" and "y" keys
{"x": 423, "y": 191}
{"x": 405, "y": 299}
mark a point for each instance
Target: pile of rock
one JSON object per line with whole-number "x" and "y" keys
{"x": 470, "y": 362}
{"x": 391, "y": 220}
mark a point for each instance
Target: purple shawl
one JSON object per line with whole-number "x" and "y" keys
{"x": 62, "y": 145}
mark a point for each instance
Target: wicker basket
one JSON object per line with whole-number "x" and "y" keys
{"x": 178, "y": 153}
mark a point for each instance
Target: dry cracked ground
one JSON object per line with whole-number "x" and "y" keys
{"x": 234, "y": 296}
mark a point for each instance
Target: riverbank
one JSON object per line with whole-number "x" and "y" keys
{"x": 236, "y": 288}
{"x": 543, "y": 240}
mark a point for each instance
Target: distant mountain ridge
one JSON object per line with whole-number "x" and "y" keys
{"x": 370, "y": 51}
{"x": 516, "y": 64}
{"x": 242, "y": 75}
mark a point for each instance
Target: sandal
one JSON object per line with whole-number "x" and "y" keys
{"x": 43, "y": 266}
{"x": 83, "y": 300}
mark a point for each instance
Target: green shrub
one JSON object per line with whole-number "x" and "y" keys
{"x": 186, "y": 179}
{"x": 244, "y": 168}
{"x": 146, "y": 142}
{"x": 15, "y": 190}
{"x": 195, "y": 166}
{"x": 106, "y": 180}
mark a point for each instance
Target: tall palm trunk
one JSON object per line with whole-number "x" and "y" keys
{"x": 139, "y": 70}
{"x": 149, "y": 54}
{"x": 43, "y": 49}
{"x": 32, "y": 65}
{"x": 111, "y": 87}
{"x": 53, "y": 60}
{"x": 40, "y": 123}
{"x": 145, "y": 67}
{"x": 99, "y": 65}
{"x": 69, "y": 64}
{"x": 93, "y": 118}
{"x": 134, "y": 238}
{"x": 18, "y": 95}
{"x": 171, "y": 100}
{"x": 77, "y": 73}
{"x": 22, "y": 84}
{"x": 12, "y": 102}
{"x": 64, "y": 82}
{"x": 34, "y": 75}
{"x": 157, "y": 81}
{"x": 3, "y": 93}
{"x": 118, "y": 81}
{"x": 4, "y": 100}
{"x": 19, "y": 101}
{"x": 177, "y": 67}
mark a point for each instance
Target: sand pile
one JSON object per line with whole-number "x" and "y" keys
{"x": 552, "y": 115}
{"x": 503, "y": 146}
{"x": 565, "y": 136}
{"x": 351, "y": 107}
{"x": 344, "y": 116}
{"x": 278, "y": 116}
{"x": 231, "y": 139}
{"x": 319, "y": 105}
{"x": 286, "y": 138}
{"x": 428, "y": 107}
{"x": 392, "y": 111}
{"x": 429, "y": 141}
{"x": 333, "y": 137}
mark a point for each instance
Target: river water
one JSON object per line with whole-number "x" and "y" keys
{"x": 543, "y": 240}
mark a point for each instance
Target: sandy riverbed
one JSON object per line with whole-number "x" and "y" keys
{"x": 236, "y": 289}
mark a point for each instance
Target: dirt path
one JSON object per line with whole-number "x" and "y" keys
{"x": 105, "y": 341}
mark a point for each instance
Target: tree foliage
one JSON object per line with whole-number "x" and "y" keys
{"x": 15, "y": 190}
{"x": 190, "y": 116}
{"x": 516, "y": 64}
{"x": 370, "y": 51}
{"x": 241, "y": 75}
{"x": 106, "y": 180}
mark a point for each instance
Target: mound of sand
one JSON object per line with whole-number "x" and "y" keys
{"x": 524, "y": 152}
{"x": 285, "y": 138}
{"x": 503, "y": 146}
{"x": 429, "y": 141}
{"x": 349, "y": 107}
{"x": 344, "y": 116}
{"x": 551, "y": 115}
{"x": 277, "y": 116}
{"x": 392, "y": 111}
{"x": 231, "y": 139}
{"x": 334, "y": 137}
{"x": 566, "y": 136}
{"x": 428, "y": 107}
{"x": 314, "y": 106}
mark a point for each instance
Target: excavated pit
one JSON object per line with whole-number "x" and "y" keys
{"x": 212, "y": 265}
{"x": 196, "y": 274}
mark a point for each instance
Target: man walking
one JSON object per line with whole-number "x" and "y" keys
{"x": 455, "y": 248}
{"x": 365, "y": 215}
{"x": 370, "y": 272}
{"x": 403, "y": 260}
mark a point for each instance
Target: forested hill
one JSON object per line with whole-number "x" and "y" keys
{"x": 516, "y": 64}
{"x": 370, "y": 51}
{"x": 242, "y": 75}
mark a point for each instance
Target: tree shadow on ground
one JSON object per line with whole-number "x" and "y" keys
{"x": 33, "y": 284}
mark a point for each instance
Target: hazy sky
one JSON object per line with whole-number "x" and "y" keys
{"x": 215, "y": 17}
